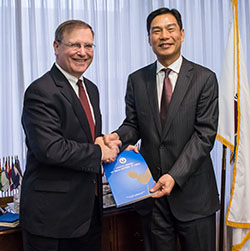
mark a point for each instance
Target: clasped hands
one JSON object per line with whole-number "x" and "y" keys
{"x": 110, "y": 145}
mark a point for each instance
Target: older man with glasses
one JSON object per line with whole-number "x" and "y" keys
{"x": 61, "y": 194}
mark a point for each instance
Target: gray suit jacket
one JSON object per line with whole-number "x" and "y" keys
{"x": 58, "y": 188}
{"x": 182, "y": 148}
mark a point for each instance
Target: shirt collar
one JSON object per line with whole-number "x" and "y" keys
{"x": 69, "y": 77}
{"x": 175, "y": 66}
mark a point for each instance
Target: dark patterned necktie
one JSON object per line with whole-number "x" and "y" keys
{"x": 166, "y": 97}
{"x": 85, "y": 104}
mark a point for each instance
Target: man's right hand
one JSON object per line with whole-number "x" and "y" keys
{"x": 112, "y": 140}
{"x": 108, "y": 154}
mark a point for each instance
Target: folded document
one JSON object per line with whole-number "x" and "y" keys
{"x": 129, "y": 178}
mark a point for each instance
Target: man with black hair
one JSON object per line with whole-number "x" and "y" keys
{"x": 172, "y": 106}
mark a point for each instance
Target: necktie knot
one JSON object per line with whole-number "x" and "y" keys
{"x": 79, "y": 83}
{"x": 167, "y": 71}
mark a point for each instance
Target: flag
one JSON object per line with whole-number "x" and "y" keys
{"x": 234, "y": 132}
{"x": 4, "y": 178}
{"x": 0, "y": 176}
{"x": 15, "y": 177}
{"x": 9, "y": 173}
{"x": 17, "y": 164}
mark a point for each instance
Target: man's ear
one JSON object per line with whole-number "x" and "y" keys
{"x": 182, "y": 35}
{"x": 55, "y": 45}
{"x": 149, "y": 40}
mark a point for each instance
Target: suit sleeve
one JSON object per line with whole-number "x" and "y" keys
{"x": 197, "y": 149}
{"x": 46, "y": 136}
{"x": 128, "y": 131}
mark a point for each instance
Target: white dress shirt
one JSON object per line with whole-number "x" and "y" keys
{"x": 73, "y": 80}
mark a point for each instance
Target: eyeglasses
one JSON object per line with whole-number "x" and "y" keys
{"x": 78, "y": 46}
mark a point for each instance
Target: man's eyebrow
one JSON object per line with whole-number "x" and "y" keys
{"x": 168, "y": 26}
{"x": 156, "y": 27}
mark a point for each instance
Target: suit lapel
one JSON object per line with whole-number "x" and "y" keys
{"x": 152, "y": 94}
{"x": 182, "y": 85}
{"x": 68, "y": 92}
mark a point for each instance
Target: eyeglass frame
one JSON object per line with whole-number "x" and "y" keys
{"x": 77, "y": 46}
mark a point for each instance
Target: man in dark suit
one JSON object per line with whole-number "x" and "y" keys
{"x": 61, "y": 198}
{"x": 177, "y": 134}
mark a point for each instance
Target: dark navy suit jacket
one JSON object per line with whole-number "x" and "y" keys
{"x": 182, "y": 147}
{"x": 58, "y": 188}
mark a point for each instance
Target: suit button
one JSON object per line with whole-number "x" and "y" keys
{"x": 159, "y": 172}
{"x": 162, "y": 146}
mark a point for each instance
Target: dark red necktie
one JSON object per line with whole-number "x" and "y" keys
{"x": 85, "y": 104}
{"x": 166, "y": 97}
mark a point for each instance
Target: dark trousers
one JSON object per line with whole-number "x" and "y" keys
{"x": 146, "y": 228}
{"x": 91, "y": 241}
{"x": 195, "y": 235}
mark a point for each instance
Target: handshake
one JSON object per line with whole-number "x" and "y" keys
{"x": 110, "y": 145}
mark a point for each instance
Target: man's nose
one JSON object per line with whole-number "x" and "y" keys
{"x": 164, "y": 34}
{"x": 82, "y": 51}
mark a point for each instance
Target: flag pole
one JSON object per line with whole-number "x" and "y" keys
{"x": 222, "y": 206}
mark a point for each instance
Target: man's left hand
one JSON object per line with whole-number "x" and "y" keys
{"x": 163, "y": 187}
